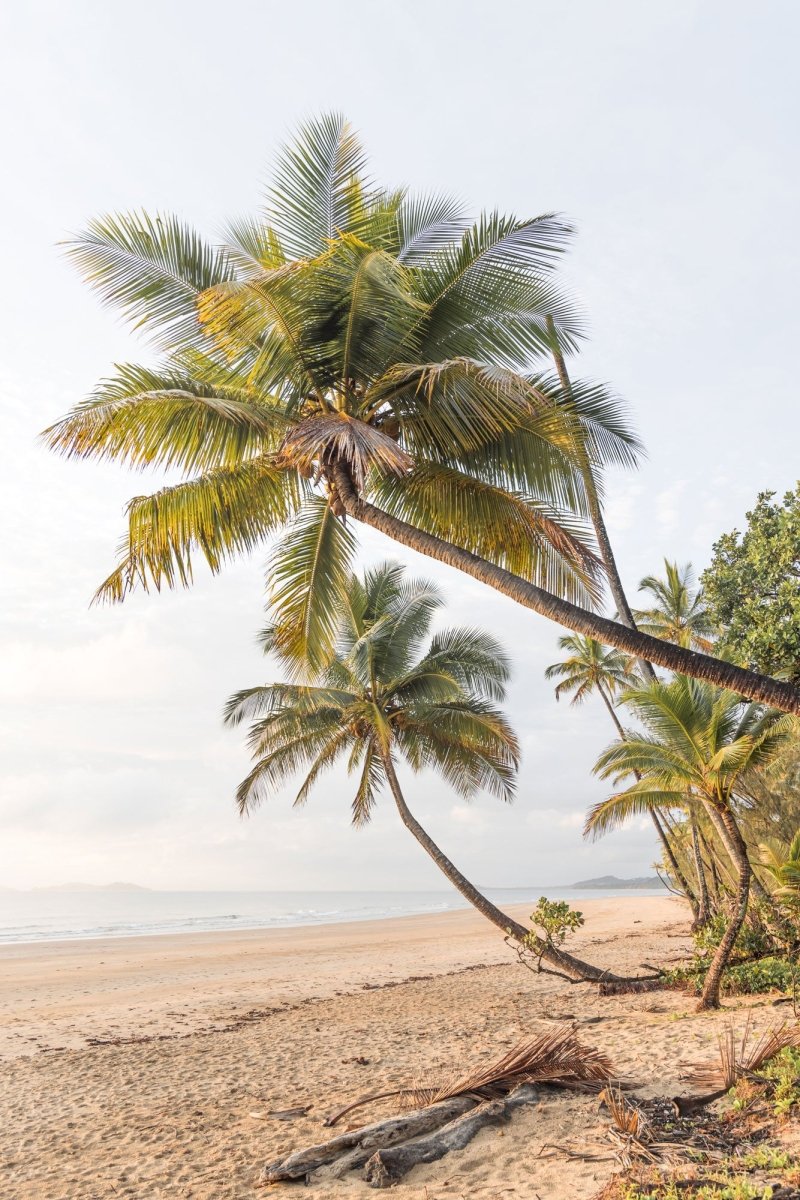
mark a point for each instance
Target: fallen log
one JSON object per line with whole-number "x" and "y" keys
{"x": 358, "y": 1145}
{"x": 389, "y": 1165}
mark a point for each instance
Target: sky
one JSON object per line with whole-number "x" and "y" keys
{"x": 665, "y": 131}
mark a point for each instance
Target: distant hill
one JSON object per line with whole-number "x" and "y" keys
{"x": 611, "y": 881}
{"x": 93, "y": 887}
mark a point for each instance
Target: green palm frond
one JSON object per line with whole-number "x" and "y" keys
{"x": 550, "y": 548}
{"x": 615, "y": 812}
{"x": 427, "y": 224}
{"x": 221, "y": 515}
{"x": 318, "y": 190}
{"x": 372, "y": 780}
{"x": 308, "y": 574}
{"x": 678, "y": 614}
{"x": 169, "y": 419}
{"x": 153, "y": 269}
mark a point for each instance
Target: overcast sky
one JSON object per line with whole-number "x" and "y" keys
{"x": 667, "y": 131}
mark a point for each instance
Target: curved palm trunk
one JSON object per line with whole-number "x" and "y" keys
{"x": 573, "y": 967}
{"x": 710, "y": 995}
{"x": 640, "y": 645}
{"x": 674, "y": 865}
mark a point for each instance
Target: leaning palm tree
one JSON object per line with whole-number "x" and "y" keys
{"x": 385, "y": 697}
{"x": 678, "y": 613}
{"x": 591, "y": 669}
{"x": 698, "y": 741}
{"x": 365, "y": 352}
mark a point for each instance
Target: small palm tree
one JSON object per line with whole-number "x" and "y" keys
{"x": 590, "y": 668}
{"x": 783, "y": 864}
{"x": 383, "y": 697}
{"x": 698, "y": 742}
{"x": 678, "y": 613}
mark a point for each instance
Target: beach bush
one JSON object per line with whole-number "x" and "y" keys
{"x": 768, "y": 974}
{"x": 552, "y": 922}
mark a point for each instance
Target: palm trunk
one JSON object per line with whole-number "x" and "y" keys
{"x": 768, "y": 691}
{"x": 573, "y": 967}
{"x": 731, "y": 848}
{"x": 624, "y": 614}
{"x": 704, "y": 912}
{"x": 711, "y": 986}
{"x": 674, "y": 865}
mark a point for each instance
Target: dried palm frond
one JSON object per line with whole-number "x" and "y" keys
{"x": 738, "y": 1058}
{"x": 340, "y": 437}
{"x": 630, "y": 1132}
{"x": 556, "y": 1057}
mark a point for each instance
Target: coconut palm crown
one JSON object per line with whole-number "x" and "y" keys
{"x": 385, "y": 695}
{"x": 678, "y": 613}
{"x": 357, "y": 350}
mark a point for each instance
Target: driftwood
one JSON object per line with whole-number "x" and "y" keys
{"x": 361, "y": 1144}
{"x": 387, "y": 1166}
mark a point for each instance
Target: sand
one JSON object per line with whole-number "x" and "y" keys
{"x": 148, "y": 1067}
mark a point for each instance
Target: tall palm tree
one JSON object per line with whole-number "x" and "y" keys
{"x": 589, "y": 668}
{"x": 365, "y": 352}
{"x": 385, "y": 696}
{"x": 698, "y": 740}
{"x": 678, "y": 613}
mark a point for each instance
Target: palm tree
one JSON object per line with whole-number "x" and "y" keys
{"x": 590, "y": 668}
{"x": 383, "y": 697}
{"x": 364, "y": 352}
{"x": 678, "y": 613}
{"x": 698, "y": 741}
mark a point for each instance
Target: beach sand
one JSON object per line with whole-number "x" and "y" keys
{"x": 148, "y": 1067}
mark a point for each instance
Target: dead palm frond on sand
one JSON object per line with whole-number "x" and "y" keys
{"x": 739, "y": 1058}
{"x": 557, "y": 1057}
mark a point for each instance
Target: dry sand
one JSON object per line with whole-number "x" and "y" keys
{"x": 226, "y": 1028}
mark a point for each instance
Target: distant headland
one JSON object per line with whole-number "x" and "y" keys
{"x": 611, "y": 881}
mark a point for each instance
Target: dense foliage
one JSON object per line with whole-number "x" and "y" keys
{"x": 752, "y": 587}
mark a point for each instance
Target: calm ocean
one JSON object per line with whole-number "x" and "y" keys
{"x": 53, "y": 915}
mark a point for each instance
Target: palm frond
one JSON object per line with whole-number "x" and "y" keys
{"x": 308, "y": 574}
{"x": 220, "y": 515}
{"x": 153, "y": 268}
{"x": 170, "y": 419}
{"x": 318, "y": 189}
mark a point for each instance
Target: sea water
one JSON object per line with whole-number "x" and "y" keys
{"x": 36, "y": 916}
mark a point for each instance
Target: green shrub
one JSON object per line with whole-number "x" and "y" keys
{"x": 784, "y": 1071}
{"x": 742, "y": 979}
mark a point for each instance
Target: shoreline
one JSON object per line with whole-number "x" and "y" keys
{"x": 247, "y": 924}
{"x": 59, "y": 995}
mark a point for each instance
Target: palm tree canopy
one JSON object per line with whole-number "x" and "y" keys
{"x": 388, "y": 690}
{"x": 678, "y": 613}
{"x": 590, "y": 667}
{"x": 697, "y": 740}
{"x": 349, "y": 325}
{"x": 783, "y": 864}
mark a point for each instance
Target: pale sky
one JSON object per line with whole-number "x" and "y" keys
{"x": 666, "y": 131}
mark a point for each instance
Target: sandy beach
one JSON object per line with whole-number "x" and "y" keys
{"x": 149, "y": 1067}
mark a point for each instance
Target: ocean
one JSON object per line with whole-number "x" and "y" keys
{"x": 41, "y": 916}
